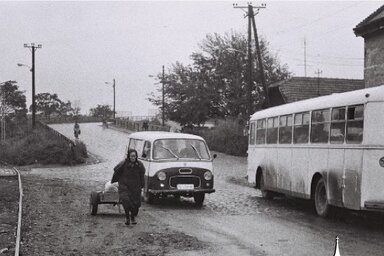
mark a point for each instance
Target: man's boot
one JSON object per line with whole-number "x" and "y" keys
{"x": 133, "y": 221}
{"x": 127, "y": 221}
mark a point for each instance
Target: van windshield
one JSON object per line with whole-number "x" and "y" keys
{"x": 180, "y": 148}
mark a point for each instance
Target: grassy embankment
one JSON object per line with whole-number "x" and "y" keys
{"x": 41, "y": 147}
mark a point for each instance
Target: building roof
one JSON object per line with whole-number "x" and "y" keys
{"x": 371, "y": 24}
{"x": 302, "y": 88}
{"x": 373, "y": 94}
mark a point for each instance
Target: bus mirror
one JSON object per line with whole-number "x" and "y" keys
{"x": 214, "y": 156}
{"x": 144, "y": 155}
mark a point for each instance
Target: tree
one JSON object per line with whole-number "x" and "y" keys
{"x": 49, "y": 104}
{"x": 12, "y": 100}
{"x": 103, "y": 111}
{"x": 216, "y": 85}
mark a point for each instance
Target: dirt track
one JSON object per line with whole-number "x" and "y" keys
{"x": 57, "y": 222}
{"x": 234, "y": 220}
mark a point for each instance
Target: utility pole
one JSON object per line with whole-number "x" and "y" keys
{"x": 251, "y": 23}
{"x": 33, "y": 49}
{"x": 162, "y": 108}
{"x": 318, "y": 72}
{"x": 114, "y": 102}
{"x": 305, "y": 57}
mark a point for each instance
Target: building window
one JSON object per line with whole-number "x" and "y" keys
{"x": 320, "y": 126}
{"x": 338, "y": 126}
{"x": 301, "y": 128}
{"x": 355, "y": 123}
{"x": 260, "y": 132}
{"x": 285, "y": 129}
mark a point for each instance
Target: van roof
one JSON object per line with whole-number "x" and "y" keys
{"x": 334, "y": 100}
{"x": 154, "y": 135}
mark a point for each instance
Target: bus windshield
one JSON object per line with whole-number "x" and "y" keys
{"x": 180, "y": 148}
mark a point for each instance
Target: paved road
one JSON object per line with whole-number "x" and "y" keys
{"x": 235, "y": 219}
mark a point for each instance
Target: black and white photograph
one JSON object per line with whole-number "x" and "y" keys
{"x": 194, "y": 128}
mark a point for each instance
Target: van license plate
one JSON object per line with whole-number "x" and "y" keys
{"x": 185, "y": 186}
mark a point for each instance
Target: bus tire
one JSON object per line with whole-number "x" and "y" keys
{"x": 265, "y": 193}
{"x": 94, "y": 203}
{"x": 322, "y": 207}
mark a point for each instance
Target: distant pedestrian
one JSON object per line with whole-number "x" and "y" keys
{"x": 145, "y": 126}
{"x": 76, "y": 130}
{"x": 129, "y": 173}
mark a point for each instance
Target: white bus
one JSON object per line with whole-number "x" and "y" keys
{"x": 328, "y": 149}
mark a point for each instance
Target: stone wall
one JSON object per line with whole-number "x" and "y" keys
{"x": 374, "y": 60}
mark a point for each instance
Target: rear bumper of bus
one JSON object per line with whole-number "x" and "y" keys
{"x": 374, "y": 205}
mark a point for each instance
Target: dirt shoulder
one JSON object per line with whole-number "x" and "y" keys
{"x": 56, "y": 221}
{"x": 9, "y": 205}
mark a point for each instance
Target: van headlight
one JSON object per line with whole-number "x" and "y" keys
{"x": 161, "y": 175}
{"x": 208, "y": 175}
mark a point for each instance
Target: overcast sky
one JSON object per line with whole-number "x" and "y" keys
{"x": 85, "y": 44}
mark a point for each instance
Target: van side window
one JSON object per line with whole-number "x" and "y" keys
{"x": 338, "y": 125}
{"x": 301, "y": 128}
{"x": 285, "y": 130}
{"x": 355, "y": 122}
{"x": 320, "y": 126}
{"x": 272, "y": 129}
{"x": 138, "y": 145}
{"x": 260, "y": 132}
{"x": 147, "y": 149}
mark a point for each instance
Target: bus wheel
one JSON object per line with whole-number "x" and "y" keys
{"x": 265, "y": 193}
{"x": 322, "y": 207}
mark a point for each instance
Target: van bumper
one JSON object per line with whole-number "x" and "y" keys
{"x": 180, "y": 191}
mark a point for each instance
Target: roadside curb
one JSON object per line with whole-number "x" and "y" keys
{"x": 9, "y": 172}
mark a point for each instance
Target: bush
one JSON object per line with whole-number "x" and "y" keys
{"x": 227, "y": 137}
{"x": 41, "y": 146}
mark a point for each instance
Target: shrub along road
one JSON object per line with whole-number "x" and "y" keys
{"x": 234, "y": 220}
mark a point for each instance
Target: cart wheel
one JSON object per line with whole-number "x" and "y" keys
{"x": 199, "y": 199}
{"x": 94, "y": 202}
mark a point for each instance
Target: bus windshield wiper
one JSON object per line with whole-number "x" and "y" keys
{"x": 170, "y": 151}
{"x": 197, "y": 152}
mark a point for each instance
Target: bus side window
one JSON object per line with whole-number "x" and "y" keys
{"x": 285, "y": 130}
{"x": 320, "y": 126}
{"x": 338, "y": 126}
{"x": 252, "y": 134}
{"x": 272, "y": 128}
{"x": 260, "y": 134}
{"x": 355, "y": 122}
{"x": 301, "y": 128}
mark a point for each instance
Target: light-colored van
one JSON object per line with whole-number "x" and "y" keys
{"x": 175, "y": 164}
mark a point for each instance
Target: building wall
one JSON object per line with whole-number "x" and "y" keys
{"x": 374, "y": 60}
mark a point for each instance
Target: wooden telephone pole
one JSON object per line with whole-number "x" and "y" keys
{"x": 252, "y": 24}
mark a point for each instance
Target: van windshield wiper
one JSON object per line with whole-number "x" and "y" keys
{"x": 197, "y": 152}
{"x": 170, "y": 151}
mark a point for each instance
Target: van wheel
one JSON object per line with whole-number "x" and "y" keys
{"x": 265, "y": 193}
{"x": 94, "y": 203}
{"x": 199, "y": 199}
{"x": 148, "y": 197}
{"x": 322, "y": 207}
